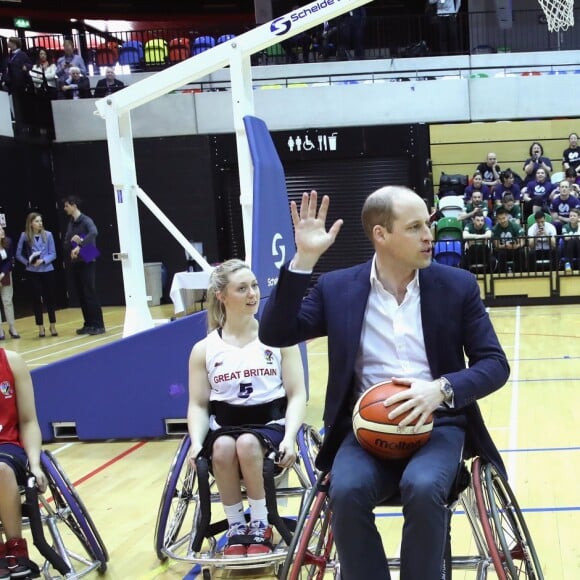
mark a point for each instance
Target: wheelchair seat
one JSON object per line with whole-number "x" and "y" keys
{"x": 186, "y": 530}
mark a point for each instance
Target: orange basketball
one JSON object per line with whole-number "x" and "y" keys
{"x": 377, "y": 433}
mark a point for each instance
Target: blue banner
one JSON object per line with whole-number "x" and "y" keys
{"x": 272, "y": 233}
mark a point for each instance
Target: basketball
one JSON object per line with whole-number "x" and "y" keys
{"x": 378, "y": 434}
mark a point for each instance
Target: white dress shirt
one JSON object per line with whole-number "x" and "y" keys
{"x": 392, "y": 342}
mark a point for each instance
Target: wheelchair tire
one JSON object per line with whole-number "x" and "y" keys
{"x": 309, "y": 443}
{"x": 311, "y": 551}
{"x": 510, "y": 544}
{"x": 177, "y": 494}
{"x": 76, "y": 517}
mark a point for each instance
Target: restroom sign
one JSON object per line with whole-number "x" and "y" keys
{"x": 320, "y": 142}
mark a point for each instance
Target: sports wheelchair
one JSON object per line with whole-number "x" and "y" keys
{"x": 69, "y": 524}
{"x": 500, "y": 534}
{"x": 185, "y": 530}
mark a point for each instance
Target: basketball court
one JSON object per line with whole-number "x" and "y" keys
{"x": 533, "y": 420}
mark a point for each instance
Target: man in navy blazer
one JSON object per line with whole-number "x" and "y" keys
{"x": 397, "y": 317}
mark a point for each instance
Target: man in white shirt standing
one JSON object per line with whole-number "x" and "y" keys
{"x": 396, "y": 317}
{"x": 447, "y": 25}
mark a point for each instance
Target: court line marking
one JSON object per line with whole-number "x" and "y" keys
{"x": 514, "y": 408}
{"x": 111, "y": 461}
{"x": 110, "y": 334}
{"x": 63, "y": 447}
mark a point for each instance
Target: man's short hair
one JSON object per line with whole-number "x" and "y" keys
{"x": 507, "y": 197}
{"x": 72, "y": 200}
{"x": 74, "y": 69}
{"x": 501, "y": 210}
{"x": 15, "y": 41}
{"x": 539, "y": 215}
{"x": 575, "y": 210}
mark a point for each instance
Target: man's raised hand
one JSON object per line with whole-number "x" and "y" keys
{"x": 311, "y": 237}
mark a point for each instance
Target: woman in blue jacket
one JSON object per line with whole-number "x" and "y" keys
{"x": 36, "y": 250}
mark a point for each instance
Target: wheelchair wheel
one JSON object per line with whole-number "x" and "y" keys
{"x": 311, "y": 553}
{"x": 510, "y": 545}
{"x": 180, "y": 490}
{"x": 309, "y": 443}
{"x": 71, "y": 510}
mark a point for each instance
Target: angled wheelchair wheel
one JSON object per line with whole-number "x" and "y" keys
{"x": 309, "y": 443}
{"x": 510, "y": 545}
{"x": 69, "y": 508}
{"x": 311, "y": 553}
{"x": 180, "y": 491}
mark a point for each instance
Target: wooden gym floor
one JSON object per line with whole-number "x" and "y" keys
{"x": 533, "y": 419}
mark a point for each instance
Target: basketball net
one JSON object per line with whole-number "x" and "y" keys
{"x": 559, "y": 14}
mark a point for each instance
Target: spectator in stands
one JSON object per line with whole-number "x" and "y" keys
{"x": 18, "y": 82}
{"x": 541, "y": 242}
{"x": 571, "y": 155}
{"x": 571, "y": 237}
{"x": 477, "y": 236}
{"x": 335, "y": 37}
{"x": 68, "y": 60}
{"x": 76, "y": 86}
{"x": 109, "y": 85}
{"x": 561, "y": 206}
{"x": 6, "y": 285}
{"x": 512, "y": 208}
{"x": 476, "y": 185}
{"x": 490, "y": 170}
{"x": 574, "y": 180}
{"x": 446, "y": 11}
{"x": 508, "y": 241}
{"x": 536, "y": 160}
{"x": 43, "y": 75}
{"x": 538, "y": 191}
{"x": 358, "y": 18}
{"x": 506, "y": 186}
{"x": 476, "y": 205}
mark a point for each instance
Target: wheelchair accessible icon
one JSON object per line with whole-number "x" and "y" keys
{"x": 325, "y": 143}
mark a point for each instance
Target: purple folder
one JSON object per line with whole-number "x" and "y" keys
{"x": 89, "y": 252}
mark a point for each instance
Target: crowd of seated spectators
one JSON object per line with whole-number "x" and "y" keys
{"x": 513, "y": 223}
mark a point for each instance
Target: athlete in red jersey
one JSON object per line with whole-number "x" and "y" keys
{"x": 20, "y": 442}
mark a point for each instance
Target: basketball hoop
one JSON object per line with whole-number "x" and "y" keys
{"x": 559, "y": 14}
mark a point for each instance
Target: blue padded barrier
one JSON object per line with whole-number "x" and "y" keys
{"x": 122, "y": 390}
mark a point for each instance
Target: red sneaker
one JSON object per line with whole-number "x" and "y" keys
{"x": 260, "y": 538}
{"x": 236, "y": 534}
{"x": 19, "y": 563}
{"x": 4, "y": 572}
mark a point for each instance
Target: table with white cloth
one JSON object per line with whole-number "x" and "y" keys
{"x": 182, "y": 286}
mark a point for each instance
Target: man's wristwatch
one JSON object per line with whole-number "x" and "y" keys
{"x": 447, "y": 391}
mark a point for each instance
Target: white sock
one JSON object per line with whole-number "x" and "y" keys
{"x": 258, "y": 510}
{"x": 235, "y": 513}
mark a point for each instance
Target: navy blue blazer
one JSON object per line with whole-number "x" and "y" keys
{"x": 455, "y": 326}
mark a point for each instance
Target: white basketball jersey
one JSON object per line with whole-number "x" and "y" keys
{"x": 248, "y": 375}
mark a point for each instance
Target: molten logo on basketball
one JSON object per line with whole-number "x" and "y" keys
{"x": 398, "y": 445}
{"x": 380, "y": 435}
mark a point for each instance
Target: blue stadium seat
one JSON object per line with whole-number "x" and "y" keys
{"x": 201, "y": 44}
{"x": 131, "y": 53}
{"x": 448, "y": 252}
{"x": 225, "y": 38}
